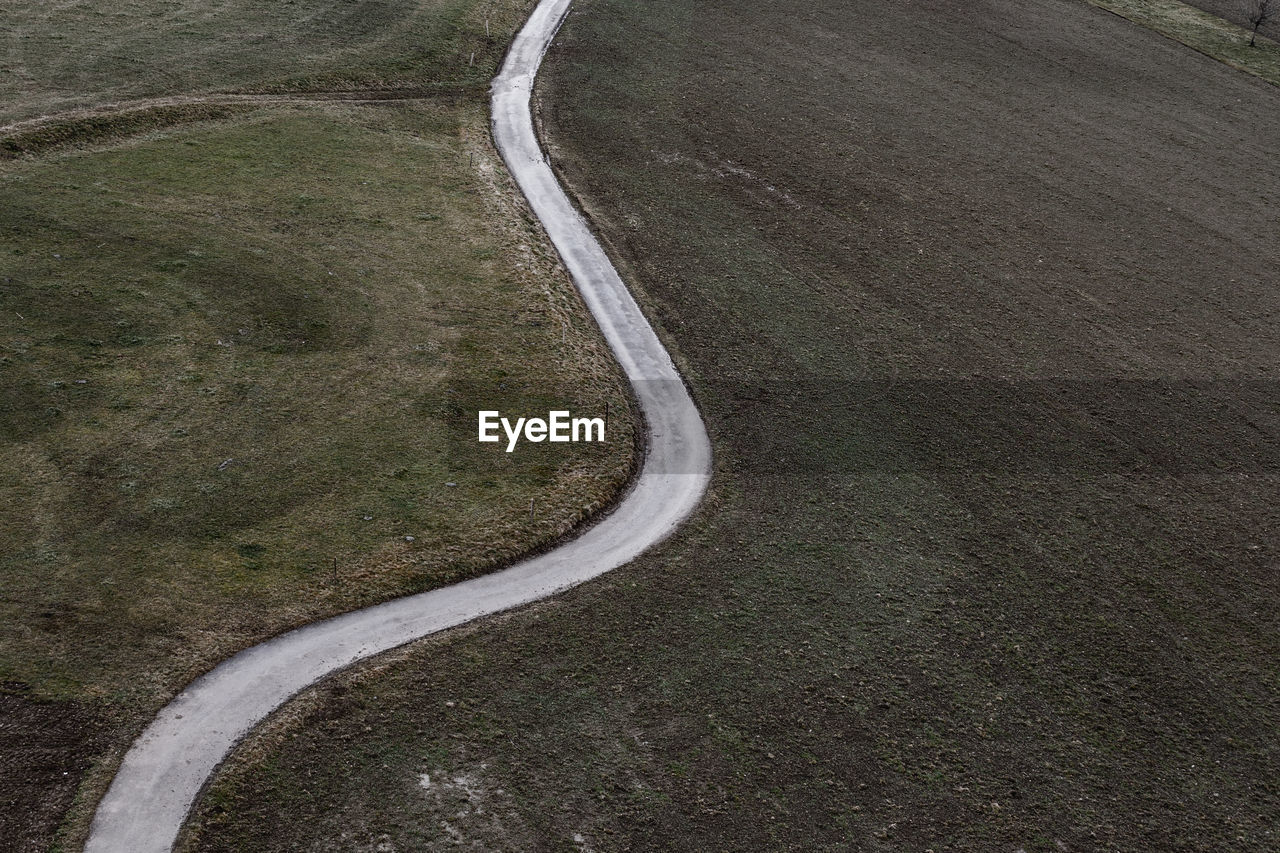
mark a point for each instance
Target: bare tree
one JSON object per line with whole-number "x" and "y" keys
{"x": 1259, "y": 11}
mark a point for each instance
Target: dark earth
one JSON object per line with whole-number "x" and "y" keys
{"x": 44, "y": 752}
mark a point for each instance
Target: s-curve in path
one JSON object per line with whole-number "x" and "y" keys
{"x": 167, "y": 766}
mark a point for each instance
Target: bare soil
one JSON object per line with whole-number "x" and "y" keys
{"x": 44, "y": 753}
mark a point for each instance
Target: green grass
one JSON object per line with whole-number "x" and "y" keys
{"x": 83, "y": 53}
{"x": 242, "y": 362}
{"x": 1204, "y": 32}
{"x": 981, "y": 315}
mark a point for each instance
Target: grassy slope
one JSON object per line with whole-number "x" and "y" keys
{"x": 227, "y": 347}
{"x": 82, "y": 53}
{"x": 239, "y": 367}
{"x": 983, "y": 322}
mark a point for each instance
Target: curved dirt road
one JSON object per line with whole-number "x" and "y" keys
{"x": 167, "y": 766}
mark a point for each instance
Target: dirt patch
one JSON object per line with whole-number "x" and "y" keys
{"x": 45, "y": 750}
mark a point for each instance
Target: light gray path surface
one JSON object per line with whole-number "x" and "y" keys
{"x": 170, "y": 762}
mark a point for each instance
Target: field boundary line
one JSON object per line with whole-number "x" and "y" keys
{"x": 121, "y": 120}
{"x": 118, "y": 108}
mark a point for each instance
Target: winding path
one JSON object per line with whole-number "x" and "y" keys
{"x": 168, "y": 765}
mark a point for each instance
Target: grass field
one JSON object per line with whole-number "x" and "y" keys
{"x": 982, "y": 316}
{"x": 239, "y": 379}
{"x": 83, "y": 53}
{"x": 241, "y": 353}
